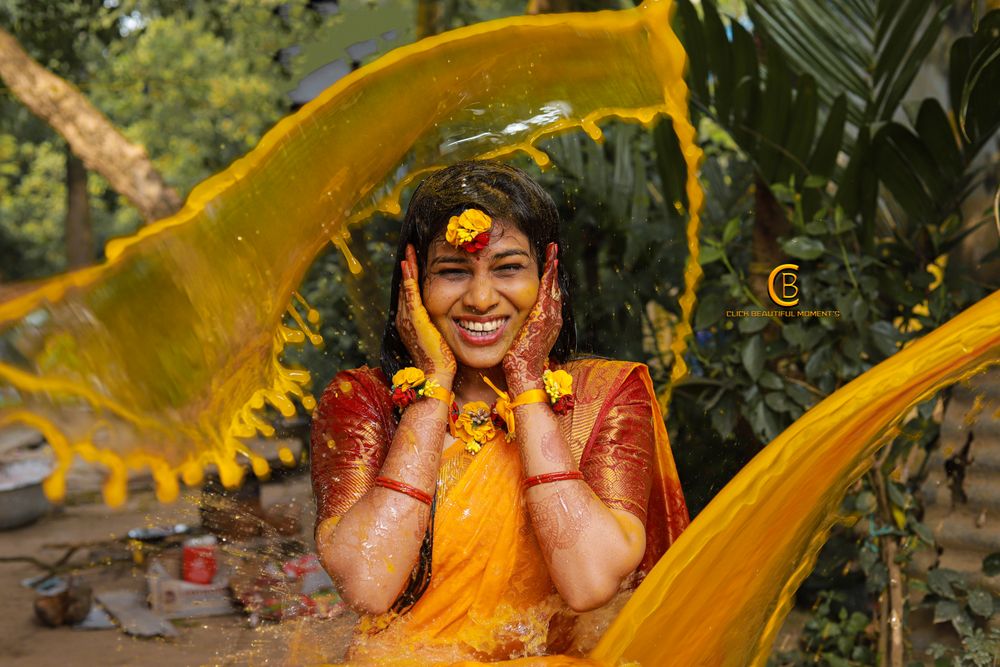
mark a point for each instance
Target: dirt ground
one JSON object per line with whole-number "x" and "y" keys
{"x": 205, "y": 641}
{"x": 222, "y": 640}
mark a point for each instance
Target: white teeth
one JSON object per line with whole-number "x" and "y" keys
{"x": 481, "y": 328}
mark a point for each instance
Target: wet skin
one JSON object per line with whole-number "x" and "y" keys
{"x": 498, "y": 283}
{"x": 589, "y": 548}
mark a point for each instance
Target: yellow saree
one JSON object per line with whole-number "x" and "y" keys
{"x": 489, "y": 596}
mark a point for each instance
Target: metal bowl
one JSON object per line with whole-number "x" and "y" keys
{"x": 21, "y": 497}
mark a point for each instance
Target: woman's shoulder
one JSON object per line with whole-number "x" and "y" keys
{"x": 603, "y": 370}
{"x": 362, "y": 376}
{"x": 355, "y": 387}
{"x": 598, "y": 378}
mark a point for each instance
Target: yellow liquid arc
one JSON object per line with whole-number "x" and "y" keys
{"x": 174, "y": 341}
{"x": 720, "y": 593}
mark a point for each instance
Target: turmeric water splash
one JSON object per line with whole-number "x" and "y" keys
{"x": 163, "y": 356}
{"x": 721, "y": 592}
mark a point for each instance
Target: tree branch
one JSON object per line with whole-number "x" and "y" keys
{"x": 89, "y": 133}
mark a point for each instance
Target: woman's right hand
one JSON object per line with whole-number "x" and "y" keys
{"x": 426, "y": 345}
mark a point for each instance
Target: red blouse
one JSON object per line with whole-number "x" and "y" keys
{"x": 611, "y": 433}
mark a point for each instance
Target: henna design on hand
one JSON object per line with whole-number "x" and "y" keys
{"x": 420, "y": 435}
{"x": 426, "y": 345}
{"x": 524, "y": 362}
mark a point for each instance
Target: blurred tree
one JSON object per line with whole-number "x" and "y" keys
{"x": 92, "y": 140}
{"x": 196, "y": 84}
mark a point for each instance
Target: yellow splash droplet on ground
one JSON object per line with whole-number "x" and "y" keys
{"x": 192, "y": 473}
{"x": 261, "y": 468}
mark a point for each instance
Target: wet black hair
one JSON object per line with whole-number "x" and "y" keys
{"x": 504, "y": 193}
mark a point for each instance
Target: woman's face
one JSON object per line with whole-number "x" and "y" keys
{"x": 479, "y": 301}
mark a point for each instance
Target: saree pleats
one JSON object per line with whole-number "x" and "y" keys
{"x": 490, "y": 594}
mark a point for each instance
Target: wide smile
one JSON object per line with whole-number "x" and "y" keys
{"x": 481, "y": 332}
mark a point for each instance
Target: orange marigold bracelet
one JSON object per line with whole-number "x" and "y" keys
{"x": 545, "y": 478}
{"x": 558, "y": 392}
{"x": 559, "y": 387}
{"x": 411, "y": 491}
{"x": 410, "y": 383}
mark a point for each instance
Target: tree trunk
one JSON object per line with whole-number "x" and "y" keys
{"x": 431, "y": 15}
{"x": 78, "y": 235}
{"x": 769, "y": 224}
{"x": 90, "y": 135}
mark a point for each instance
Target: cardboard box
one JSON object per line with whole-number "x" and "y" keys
{"x": 172, "y": 597}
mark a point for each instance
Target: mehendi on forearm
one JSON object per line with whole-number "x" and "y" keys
{"x": 560, "y": 518}
{"x": 374, "y": 546}
{"x": 554, "y": 450}
{"x": 588, "y": 547}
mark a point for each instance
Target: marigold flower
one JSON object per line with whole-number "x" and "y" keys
{"x": 563, "y": 404}
{"x": 469, "y": 231}
{"x": 474, "y": 425}
{"x": 408, "y": 377}
{"x": 428, "y": 387}
{"x": 557, "y": 384}
{"x": 498, "y": 420}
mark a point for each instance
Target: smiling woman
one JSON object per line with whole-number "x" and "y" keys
{"x": 480, "y": 301}
{"x": 484, "y": 532}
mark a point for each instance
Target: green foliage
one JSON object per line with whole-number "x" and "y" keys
{"x": 800, "y": 119}
{"x": 834, "y": 636}
{"x": 195, "y": 99}
{"x": 991, "y": 565}
{"x": 616, "y": 227}
{"x": 771, "y": 116}
{"x": 195, "y": 83}
{"x": 868, "y": 205}
{"x": 777, "y": 369}
{"x": 871, "y": 51}
{"x": 32, "y": 202}
{"x": 980, "y": 648}
{"x": 967, "y": 609}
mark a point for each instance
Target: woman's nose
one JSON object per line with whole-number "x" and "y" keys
{"x": 481, "y": 297}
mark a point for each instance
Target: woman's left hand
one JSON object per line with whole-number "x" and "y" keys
{"x": 524, "y": 362}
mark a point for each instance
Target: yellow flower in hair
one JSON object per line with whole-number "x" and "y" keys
{"x": 557, "y": 384}
{"x": 470, "y": 230}
{"x": 408, "y": 377}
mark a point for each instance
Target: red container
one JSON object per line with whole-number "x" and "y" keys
{"x": 199, "y": 564}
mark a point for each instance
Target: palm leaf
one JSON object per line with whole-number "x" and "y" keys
{"x": 770, "y": 112}
{"x": 870, "y": 50}
{"x": 927, "y": 169}
{"x": 974, "y": 80}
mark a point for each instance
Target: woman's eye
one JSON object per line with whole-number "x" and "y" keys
{"x": 450, "y": 273}
{"x": 510, "y": 268}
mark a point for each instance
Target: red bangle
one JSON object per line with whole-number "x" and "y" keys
{"x": 411, "y": 491}
{"x": 551, "y": 477}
